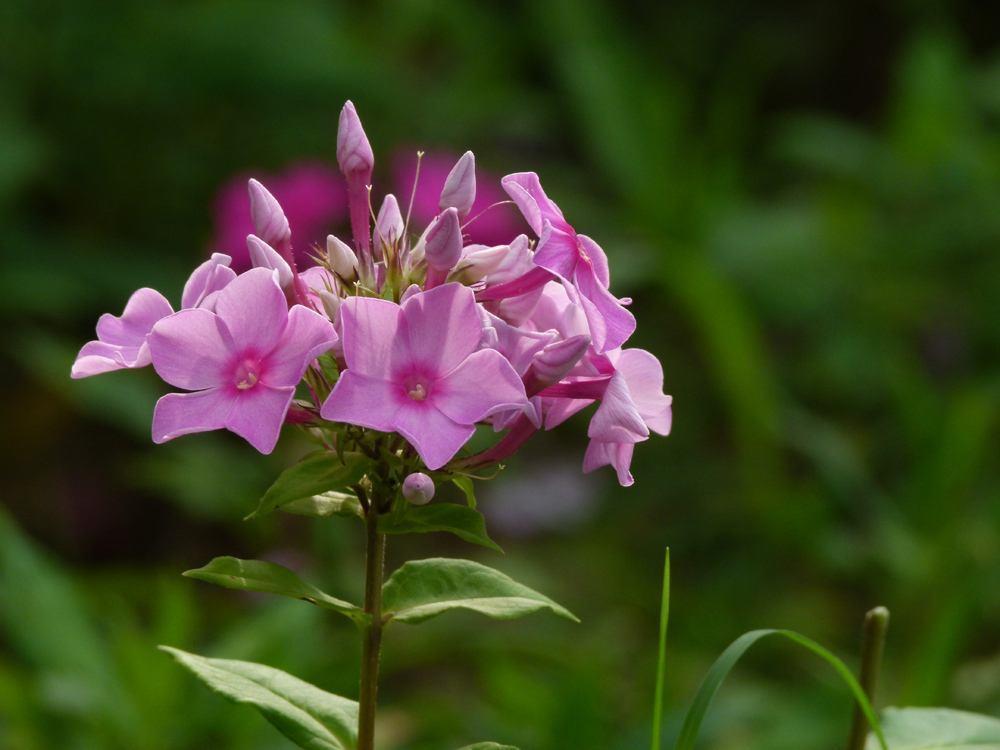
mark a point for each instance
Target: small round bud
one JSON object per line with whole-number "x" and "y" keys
{"x": 418, "y": 488}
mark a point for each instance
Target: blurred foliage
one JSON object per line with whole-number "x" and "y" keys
{"x": 804, "y": 201}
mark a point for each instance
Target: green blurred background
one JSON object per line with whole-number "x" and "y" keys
{"x": 804, "y": 201}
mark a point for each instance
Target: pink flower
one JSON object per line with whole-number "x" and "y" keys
{"x": 311, "y": 196}
{"x": 574, "y": 257}
{"x": 242, "y": 361}
{"x": 417, "y": 369}
{"x": 121, "y": 341}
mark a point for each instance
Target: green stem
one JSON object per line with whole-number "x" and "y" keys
{"x": 872, "y": 646}
{"x": 372, "y": 633}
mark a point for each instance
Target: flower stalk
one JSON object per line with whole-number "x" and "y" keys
{"x": 872, "y": 645}
{"x": 371, "y": 647}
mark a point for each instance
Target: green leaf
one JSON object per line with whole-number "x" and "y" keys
{"x": 488, "y": 746}
{"x": 727, "y": 660}
{"x": 315, "y": 474}
{"x": 270, "y": 578}
{"x": 308, "y": 716}
{"x": 661, "y": 658}
{"x": 326, "y": 505}
{"x": 462, "y": 521}
{"x": 464, "y": 483}
{"x": 937, "y": 729}
{"x": 422, "y": 589}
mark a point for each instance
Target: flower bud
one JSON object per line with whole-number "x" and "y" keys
{"x": 554, "y": 361}
{"x": 262, "y": 255}
{"x": 354, "y": 152}
{"x": 331, "y": 303}
{"x": 269, "y": 222}
{"x": 460, "y": 188}
{"x": 389, "y": 224}
{"x": 443, "y": 247}
{"x": 342, "y": 259}
{"x": 418, "y": 488}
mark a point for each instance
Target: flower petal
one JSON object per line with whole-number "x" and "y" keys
{"x": 179, "y": 414}
{"x": 364, "y": 401}
{"x": 97, "y": 357}
{"x": 617, "y": 420}
{"x": 442, "y": 327}
{"x": 525, "y": 189}
{"x": 369, "y": 330}
{"x": 143, "y": 309}
{"x": 483, "y": 384}
{"x": 307, "y": 335}
{"x": 190, "y": 349}
{"x": 610, "y": 323}
{"x": 211, "y": 276}
{"x": 644, "y": 376}
{"x": 254, "y": 310}
{"x": 258, "y": 414}
{"x": 436, "y": 437}
{"x": 618, "y": 455}
{"x": 557, "y": 251}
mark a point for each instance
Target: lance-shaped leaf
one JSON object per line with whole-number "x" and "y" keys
{"x": 269, "y": 578}
{"x": 308, "y": 716}
{"x": 319, "y": 472}
{"x": 465, "y": 484}
{"x": 460, "y": 520}
{"x": 422, "y": 589}
{"x": 937, "y": 729}
{"x": 326, "y": 505}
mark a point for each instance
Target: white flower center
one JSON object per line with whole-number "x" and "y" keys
{"x": 247, "y": 374}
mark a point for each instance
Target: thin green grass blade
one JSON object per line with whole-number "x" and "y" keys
{"x": 727, "y": 660}
{"x": 661, "y": 659}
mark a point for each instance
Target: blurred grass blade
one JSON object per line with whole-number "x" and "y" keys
{"x": 661, "y": 658}
{"x": 727, "y": 660}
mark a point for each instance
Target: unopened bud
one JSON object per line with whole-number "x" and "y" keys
{"x": 554, "y": 361}
{"x": 354, "y": 152}
{"x": 262, "y": 255}
{"x": 342, "y": 259}
{"x": 269, "y": 221}
{"x": 418, "y": 488}
{"x": 389, "y": 224}
{"x": 331, "y": 303}
{"x": 443, "y": 247}
{"x": 460, "y": 188}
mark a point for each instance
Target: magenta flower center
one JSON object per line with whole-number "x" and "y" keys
{"x": 246, "y": 374}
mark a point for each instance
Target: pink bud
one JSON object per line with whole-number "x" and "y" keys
{"x": 553, "y": 362}
{"x": 354, "y": 152}
{"x": 342, "y": 259}
{"x": 418, "y": 488}
{"x": 269, "y": 222}
{"x": 460, "y": 188}
{"x": 331, "y": 302}
{"x": 443, "y": 246}
{"x": 389, "y": 222}
{"x": 262, "y": 255}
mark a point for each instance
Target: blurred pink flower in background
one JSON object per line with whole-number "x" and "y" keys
{"x": 313, "y": 197}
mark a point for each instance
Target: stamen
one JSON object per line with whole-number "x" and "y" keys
{"x": 418, "y": 392}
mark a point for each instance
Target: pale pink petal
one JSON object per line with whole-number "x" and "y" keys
{"x": 210, "y": 277}
{"x": 254, "y": 310}
{"x": 442, "y": 327}
{"x": 557, "y": 251}
{"x": 618, "y": 455}
{"x": 617, "y": 420}
{"x": 558, "y": 410}
{"x": 190, "y": 349}
{"x": 594, "y": 255}
{"x": 179, "y": 414}
{"x": 307, "y": 335}
{"x": 644, "y": 375}
{"x": 363, "y": 401}
{"x": 258, "y": 415}
{"x": 436, "y": 437}
{"x": 525, "y": 189}
{"x": 611, "y": 324}
{"x": 483, "y": 384}
{"x": 518, "y": 345}
{"x": 96, "y": 358}
{"x": 143, "y": 309}
{"x": 370, "y": 335}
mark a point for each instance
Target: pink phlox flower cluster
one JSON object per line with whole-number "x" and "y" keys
{"x": 426, "y": 335}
